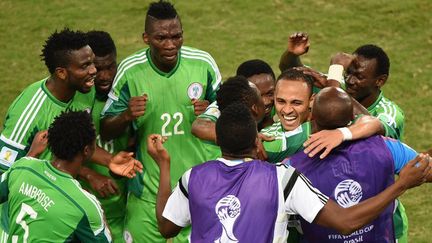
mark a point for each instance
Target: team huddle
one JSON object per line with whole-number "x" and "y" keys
{"x": 90, "y": 153}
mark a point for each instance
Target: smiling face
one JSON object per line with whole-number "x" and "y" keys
{"x": 165, "y": 38}
{"x": 292, "y": 98}
{"x": 81, "y": 71}
{"x": 266, "y": 85}
{"x": 106, "y": 70}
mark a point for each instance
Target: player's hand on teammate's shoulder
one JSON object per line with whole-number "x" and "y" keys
{"x": 156, "y": 149}
{"x": 39, "y": 144}
{"x": 343, "y": 59}
{"x": 137, "y": 107}
{"x": 325, "y": 140}
{"x": 261, "y": 153}
{"x": 416, "y": 172}
{"x": 298, "y": 43}
{"x": 103, "y": 185}
{"x": 124, "y": 164}
{"x": 199, "y": 106}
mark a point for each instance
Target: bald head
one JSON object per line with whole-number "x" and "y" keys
{"x": 332, "y": 108}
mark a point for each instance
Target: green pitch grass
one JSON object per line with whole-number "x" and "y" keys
{"x": 237, "y": 30}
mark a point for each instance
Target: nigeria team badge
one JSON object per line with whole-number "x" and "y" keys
{"x": 195, "y": 90}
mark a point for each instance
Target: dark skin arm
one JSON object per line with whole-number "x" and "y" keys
{"x": 204, "y": 129}
{"x": 103, "y": 185}
{"x": 156, "y": 150}
{"x": 327, "y": 140}
{"x": 115, "y": 126}
{"x": 298, "y": 44}
{"x": 122, "y": 163}
{"x": 347, "y": 220}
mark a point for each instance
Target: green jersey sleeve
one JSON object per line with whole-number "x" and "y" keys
{"x": 285, "y": 143}
{"x": 212, "y": 112}
{"x": 4, "y": 189}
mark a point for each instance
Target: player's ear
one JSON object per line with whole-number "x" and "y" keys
{"x": 145, "y": 38}
{"x": 61, "y": 73}
{"x": 381, "y": 80}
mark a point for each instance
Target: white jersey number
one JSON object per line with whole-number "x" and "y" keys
{"x": 178, "y": 117}
{"x": 25, "y": 210}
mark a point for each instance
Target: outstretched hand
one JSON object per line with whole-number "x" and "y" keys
{"x": 125, "y": 164}
{"x": 325, "y": 140}
{"x": 156, "y": 149}
{"x": 416, "y": 172}
{"x": 298, "y": 43}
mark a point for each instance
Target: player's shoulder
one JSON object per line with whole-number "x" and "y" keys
{"x": 28, "y": 162}
{"x": 31, "y": 94}
{"x": 274, "y": 130}
{"x": 194, "y": 55}
{"x": 388, "y": 106}
{"x": 137, "y": 57}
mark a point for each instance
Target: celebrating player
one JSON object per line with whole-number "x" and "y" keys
{"x": 345, "y": 174}
{"x": 45, "y": 202}
{"x": 240, "y": 199}
{"x": 160, "y": 89}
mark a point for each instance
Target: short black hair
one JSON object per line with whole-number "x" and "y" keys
{"x": 101, "y": 43}
{"x": 70, "y": 133}
{"x": 55, "y": 52}
{"x": 160, "y": 10}
{"x": 236, "y": 129}
{"x": 298, "y": 75}
{"x": 236, "y": 89}
{"x": 254, "y": 67}
{"x": 370, "y": 51}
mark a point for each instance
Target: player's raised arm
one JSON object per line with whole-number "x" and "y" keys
{"x": 347, "y": 220}
{"x": 156, "y": 150}
{"x": 298, "y": 44}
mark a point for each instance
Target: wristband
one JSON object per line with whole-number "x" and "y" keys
{"x": 335, "y": 72}
{"x": 347, "y": 135}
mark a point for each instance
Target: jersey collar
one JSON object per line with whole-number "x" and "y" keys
{"x": 52, "y": 97}
{"x": 234, "y": 162}
{"x": 57, "y": 171}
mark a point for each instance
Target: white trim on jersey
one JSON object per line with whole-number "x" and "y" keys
{"x": 27, "y": 116}
{"x": 196, "y": 54}
{"x": 97, "y": 205}
{"x": 10, "y": 142}
{"x": 124, "y": 66}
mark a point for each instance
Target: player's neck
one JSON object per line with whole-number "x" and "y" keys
{"x": 369, "y": 100}
{"x": 59, "y": 90}
{"x": 69, "y": 167}
{"x": 241, "y": 156}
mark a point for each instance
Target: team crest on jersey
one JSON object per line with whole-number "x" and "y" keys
{"x": 228, "y": 210}
{"x": 195, "y": 90}
{"x": 8, "y": 156}
{"x": 348, "y": 193}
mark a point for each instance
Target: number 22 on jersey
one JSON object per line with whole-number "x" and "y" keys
{"x": 176, "y": 118}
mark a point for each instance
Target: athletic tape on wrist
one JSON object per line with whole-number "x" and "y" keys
{"x": 335, "y": 72}
{"x": 347, "y": 135}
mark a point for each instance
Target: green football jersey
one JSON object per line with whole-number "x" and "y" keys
{"x": 48, "y": 205}
{"x": 169, "y": 111}
{"x": 285, "y": 143}
{"x": 114, "y": 206}
{"x": 32, "y": 111}
{"x": 390, "y": 114}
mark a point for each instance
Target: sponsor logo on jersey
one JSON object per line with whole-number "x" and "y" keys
{"x": 8, "y": 156}
{"x": 228, "y": 210}
{"x": 195, "y": 90}
{"x": 348, "y": 193}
